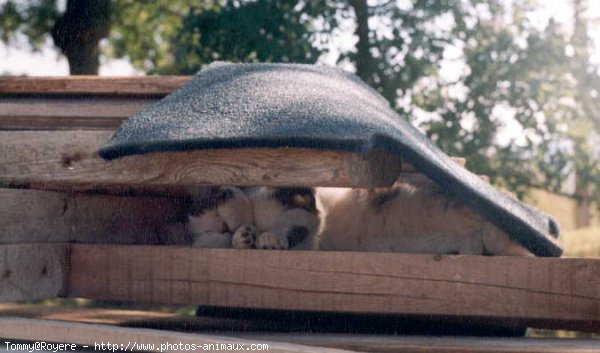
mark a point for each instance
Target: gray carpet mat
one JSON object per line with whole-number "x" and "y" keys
{"x": 307, "y": 106}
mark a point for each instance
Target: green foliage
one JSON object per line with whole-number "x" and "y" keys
{"x": 143, "y": 31}
{"x": 528, "y": 74}
{"x": 34, "y": 19}
{"x": 403, "y": 49}
{"x": 258, "y": 31}
{"x": 510, "y": 69}
{"x": 186, "y": 37}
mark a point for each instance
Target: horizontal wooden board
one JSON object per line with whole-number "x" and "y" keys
{"x": 427, "y": 344}
{"x": 535, "y": 291}
{"x": 141, "y": 85}
{"x": 80, "y": 113}
{"x": 32, "y": 271}
{"x": 54, "y": 159}
{"x": 131, "y": 340}
{"x": 88, "y": 334}
{"x": 244, "y": 330}
{"x": 28, "y": 216}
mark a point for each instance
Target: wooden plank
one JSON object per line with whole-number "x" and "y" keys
{"x": 146, "y": 85}
{"x": 32, "y": 271}
{"x": 175, "y": 318}
{"x": 130, "y": 339}
{"x": 54, "y": 160}
{"x": 425, "y": 344}
{"x": 67, "y": 113}
{"x": 66, "y": 310}
{"x": 244, "y": 329}
{"x": 72, "y": 108}
{"x": 28, "y": 216}
{"x": 535, "y": 291}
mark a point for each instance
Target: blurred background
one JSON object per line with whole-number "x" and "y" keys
{"x": 512, "y": 86}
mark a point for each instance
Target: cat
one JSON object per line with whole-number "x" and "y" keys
{"x": 406, "y": 218}
{"x": 256, "y": 217}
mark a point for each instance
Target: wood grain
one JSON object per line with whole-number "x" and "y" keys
{"x": 239, "y": 329}
{"x": 147, "y": 85}
{"x": 426, "y": 344}
{"x": 533, "y": 290}
{"x": 67, "y": 113}
{"x": 28, "y": 216}
{"x": 53, "y": 160}
{"x": 127, "y": 339}
{"x": 32, "y": 271}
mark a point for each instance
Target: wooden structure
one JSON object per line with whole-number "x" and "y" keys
{"x": 74, "y": 225}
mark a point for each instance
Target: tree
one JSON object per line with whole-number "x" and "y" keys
{"x": 237, "y": 31}
{"x": 76, "y": 32}
{"x": 510, "y": 69}
{"x": 393, "y": 62}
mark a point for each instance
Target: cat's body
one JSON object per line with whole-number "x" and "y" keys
{"x": 405, "y": 218}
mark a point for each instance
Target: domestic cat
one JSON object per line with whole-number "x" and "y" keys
{"x": 256, "y": 217}
{"x": 407, "y": 218}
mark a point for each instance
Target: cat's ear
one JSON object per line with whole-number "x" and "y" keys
{"x": 208, "y": 200}
{"x": 224, "y": 194}
{"x": 303, "y": 198}
{"x": 302, "y": 201}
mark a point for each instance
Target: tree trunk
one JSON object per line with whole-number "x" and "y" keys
{"x": 79, "y": 30}
{"x": 363, "y": 58}
{"x": 581, "y": 59}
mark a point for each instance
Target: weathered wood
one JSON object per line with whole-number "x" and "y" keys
{"x": 87, "y": 334}
{"x": 67, "y": 113}
{"x": 28, "y": 216}
{"x": 93, "y": 85}
{"x": 253, "y": 320}
{"x": 50, "y": 160}
{"x": 243, "y": 329}
{"x": 535, "y": 291}
{"x": 32, "y": 271}
{"x": 130, "y": 339}
{"x": 426, "y": 344}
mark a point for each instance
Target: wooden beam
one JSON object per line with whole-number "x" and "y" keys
{"x": 88, "y": 113}
{"x": 55, "y": 160}
{"x": 88, "y": 336}
{"x": 82, "y": 317}
{"x": 28, "y": 216}
{"x": 426, "y": 344}
{"x": 535, "y": 291}
{"x": 92, "y": 85}
{"x": 32, "y": 271}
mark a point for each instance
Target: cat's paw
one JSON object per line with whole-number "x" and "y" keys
{"x": 271, "y": 241}
{"x": 244, "y": 237}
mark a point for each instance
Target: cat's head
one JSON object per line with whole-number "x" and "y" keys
{"x": 222, "y": 209}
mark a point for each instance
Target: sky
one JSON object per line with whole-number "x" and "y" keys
{"x": 48, "y": 62}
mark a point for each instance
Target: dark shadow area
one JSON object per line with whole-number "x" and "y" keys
{"x": 216, "y": 319}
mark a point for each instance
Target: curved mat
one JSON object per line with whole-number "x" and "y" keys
{"x": 305, "y": 106}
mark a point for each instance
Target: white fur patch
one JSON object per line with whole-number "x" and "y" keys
{"x": 252, "y": 214}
